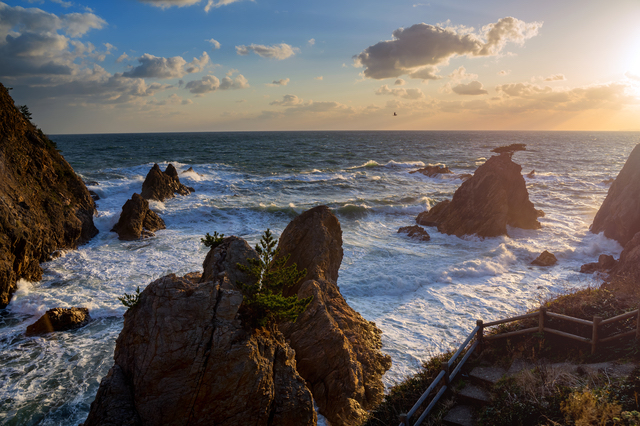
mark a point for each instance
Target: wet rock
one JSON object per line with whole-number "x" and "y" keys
{"x": 416, "y": 232}
{"x": 159, "y": 185}
{"x": 464, "y": 176}
{"x": 619, "y": 215}
{"x": 338, "y": 351}
{"x": 137, "y": 220}
{"x": 545, "y": 259}
{"x": 531, "y": 174}
{"x": 433, "y": 171}
{"x": 59, "y": 319}
{"x": 604, "y": 264}
{"x": 94, "y": 195}
{"x": 44, "y": 205}
{"x": 496, "y": 196}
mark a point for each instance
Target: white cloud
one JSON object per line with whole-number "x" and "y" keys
{"x": 631, "y": 76}
{"x": 218, "y": 3}
{"x": 214, "y": 43}
{"x": 181, "y": 3}
{"x": 412, "y": 94}
{"x": 122, "y": 57}
{"x": 277, "y": 51}
{"x": 417, "y": 51}
{"x": 158, "y": 67}
{"x": 211, "y": 83}
{"x": 281, "y": 82}
{"x": 461, "y": 74}
{"x": 312, "y": 41}
{"x": 288, "y": 100}
{"x": 473, "y": 88}
{"x": 319, "y": 78}
{"x": 231, "y": 72}
{"x": 555, "y": 77}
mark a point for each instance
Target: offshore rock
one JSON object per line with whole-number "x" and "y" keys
{"x": 433, "y": 171}
{"x": 619, "y": 215}
{"x": 496, "y": 196}
{"x": 415, "y": 232}
{"x": 137, "y": 220}
{"x": 604, "y": 264}
{"x": 338, "y": 351}
{"x": 184, "y": 358}
{"x": 59, "y": 319}
{"x": 44, "y": 205}
{"x": 545, "y": 259}
{"x": 159, "y": 185}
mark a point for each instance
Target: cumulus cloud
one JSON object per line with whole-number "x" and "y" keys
{"x": 462, "y": 74}
{"x": 215, "y": 44}
{"x": 417, "y": 51}
{"x": 412, "y": 94}
{"x": 211, "y": 4}
{"x": 312, "y": 41}
{"x": 218, "y": 3}
{"x": 211, "y": 83}
{"x": 288, "y": 100}
{"x": 121, "y": 58}
{"x": 473, "y": 88}
{"x": 555, "y": 77}
{"x": 277, "y": 51}
{"x": 281, "y": 82}
{"x": 158, "y": 67}
{"x": 399, "y": 82}
{"x": 632, "y": 76}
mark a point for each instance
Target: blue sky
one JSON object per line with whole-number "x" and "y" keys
{"x": 214, "y": 65}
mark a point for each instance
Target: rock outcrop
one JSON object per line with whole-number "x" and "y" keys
{"x": 137, "y": 220}
{"x": 604, "y": 264}
{"x": 545, "y": 259}
{"x": 337, "y": 351}
{"x": 628, "y": 267}
{"x": 59, "y": 319}
{"x": 433, "y": 171}
{"x": 496, "y": 196}
{"x": 619, "y": 215}
{"x": 44, "y": 205}
{"x": 415, "y": 232}
{"x": 184, "y": 358}
{"x": 159, "y": 185}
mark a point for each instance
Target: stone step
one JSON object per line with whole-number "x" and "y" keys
{"x": 487, "y": 376}
{"x": 519, "y": 365}
{"x": 474, "y": 395}
{"x": 460, "y": 415}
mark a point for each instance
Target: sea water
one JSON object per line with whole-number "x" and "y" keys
{"x": 425, "y": 296}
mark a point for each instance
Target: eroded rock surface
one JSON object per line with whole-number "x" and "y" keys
{"x": 137, "y": 220}
{"x": 619, "y": 215}
{"x": 60, "y": 319}
{"x": 44, "y": 205}
{"x": 159, "y": 185}
{"x": 604, "y": 264}
{"x": 337, "y": 351}
{"x": 628, "y": 267}
{"x": 546, "y": 258}
{"x": 496, "y": 196}
{"x": 415, "y": 232}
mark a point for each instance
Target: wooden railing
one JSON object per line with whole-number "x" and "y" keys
{"x": 446, "y": 376}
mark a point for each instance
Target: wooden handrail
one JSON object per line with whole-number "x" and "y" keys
{"x": 620, "y": 317}
{"x": 506, "y": 320}
{"x": 570, "y": 319}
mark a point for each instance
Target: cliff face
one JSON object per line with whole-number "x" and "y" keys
{"x": 44, "y": 205}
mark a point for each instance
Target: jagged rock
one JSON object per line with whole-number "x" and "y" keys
{"x": 432, "y": 171}
{"x": 619, "y": 215}
{"x": 338, "y": 351}
{"x": 59, "y": 319}
{"x": 137, "y": 220}
{"x": 628, "y": 267}
{"x": 510, "y": 149}
{"x": 545, "y": 259}
{"x": 44, "y": 205}
{"x": 531, "y": 174}
{"x": 160, "y": 185}
{"x": 496, "y": 196}
{"x": 416, "y": 232}
{"x": 604, "y": 264}
{"x": 220, "y": 264}
{"x": 94, "y": 195}
{"x": 185, "y": 358}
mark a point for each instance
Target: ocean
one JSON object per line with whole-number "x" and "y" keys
{"x": 425, "y": 296}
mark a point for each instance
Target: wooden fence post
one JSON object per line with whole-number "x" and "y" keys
{"x": 594, "y": 336}
{"x": 543, "y": 312}
{"x": 445, "y": 368}
{"x": 638, "y": 326}
{"x": 403, "y": 419}
{"x": 480, "y": 333}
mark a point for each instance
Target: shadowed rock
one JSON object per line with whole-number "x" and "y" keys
{"x": 137, "y": 220}
{"x": 338, "y": 351}
{"x": 433, "y": 171}
{"x": 496, "y": 196}
{"x": 619, "y": 215}
{"x": 510, "y": 149}
{"x": 415, "y": 232}
{"x": 604, "y": 264}
{"x": 545, "y": 259}
{"x": 159, "y": 185}
{"x": 59, "y": 319}
{"x": 628, "y": 267}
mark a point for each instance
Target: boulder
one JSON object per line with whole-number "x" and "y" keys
{"x": 619, "y": 215}
{"x": 604, "y": 264}
{"x": 416, "y": 232}
{"x": 44, "y": 205}
{"x": 545, "y": 259}
{"x": 464, "y": 176}
{"x": 184, "y": 358}
{"x": 159, "y": 185}
{"x": 137, "y": 220}
{"x": 433, "y": 171}
{"x": 496, "y": 196}
{"x": 59, "y": 319}
{"x": 337, "y": 351}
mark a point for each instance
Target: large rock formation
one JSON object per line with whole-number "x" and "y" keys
{"x": 184, "y": 358}
{"x": 628, "y": 267}
{"x": 137, "y": 220}
{"x": 496, "y": 196}
{"x": 159, "y": 185}
{"x": 338, "y": 351}
{"x": 59, "y": 319}
{"x": 44, "y": 205}
{"x": 619, "y": 215}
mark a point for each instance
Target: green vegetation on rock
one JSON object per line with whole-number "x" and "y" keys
{"x": 131, "y": 300}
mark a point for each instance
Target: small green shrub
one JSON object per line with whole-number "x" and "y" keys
{"x": 131, "y": 300}
{"x": 212, "y": 241}
{"x": 264, "y": 303}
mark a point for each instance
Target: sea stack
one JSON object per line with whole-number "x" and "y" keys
{"x": 137, "y": 220}
{"x": 494, "y": 197}
{"x": 45, "y": 205}
{"x": 159, "y": 185}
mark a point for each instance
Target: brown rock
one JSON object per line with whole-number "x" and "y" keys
{"x": 59, "y": 319}
{"x": 619, "y": 215}
{"x": 531, "y": 174}
{"x": 160, "y": 185}
{"x": 416, "y": 232}
{"x": 465, "y": 176}
{"x": 510, "y": 149}
{"x": 545, "y": 259}
{"x": 220, "y": 264}
{"x": 44, "y": 205}
{"x": 604, "y": 264}
{"x": 433, "y": 171}
{"x": 628, "y": 267}
{"x": 496, "y": 196}
{"x": 338, "y": 351}
{"x": 186, "y": 359}
{"x": 114, "y": 404}
{"x": 137, "y": 220}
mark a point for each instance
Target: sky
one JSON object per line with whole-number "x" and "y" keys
{"x": 122, "y": 66}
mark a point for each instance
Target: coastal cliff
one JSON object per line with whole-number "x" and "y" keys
{"x": 44, "y": 205}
